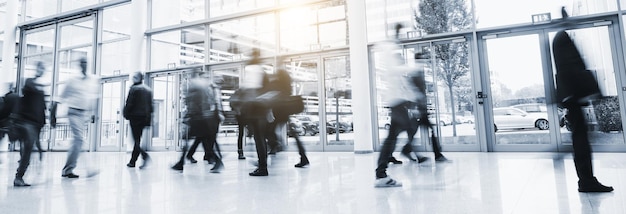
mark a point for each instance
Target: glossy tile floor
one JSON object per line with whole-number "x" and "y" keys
{"x": 334, "y": 183}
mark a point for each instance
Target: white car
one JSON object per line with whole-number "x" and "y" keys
{"x": 514, "y": 118}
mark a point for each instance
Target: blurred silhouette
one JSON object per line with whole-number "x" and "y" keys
{"x": 79, "y": 96}
{"x": 9, "y": 101}
{"x": 29, "y": 117}
{"x": 138, "y": 110}
{"x": 399, "y": 95}
{"x": 418, "y": 113}
{"x": 247, "y": 102}
{"x": 282, "y": 85}
{"x": 203, "y": 117}
{"x": 211, "y": 145}
{"x": 576, "y": 87}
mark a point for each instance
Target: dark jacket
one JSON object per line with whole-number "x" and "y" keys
{"x": 10, "y": 100}
{"x": 573, "y": 82}
{"x": 32, "y": 106}
{"x": 200, "y": 100}
{"x": 139, "y": 103}
{"x": 281, "y": 84}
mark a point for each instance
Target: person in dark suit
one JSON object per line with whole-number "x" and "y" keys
{"x": 29, "y": 117}
{"x": 138, "y": 110}
{"x": 576, "y": 87}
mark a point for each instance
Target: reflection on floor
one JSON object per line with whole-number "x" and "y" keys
{"x": 334, "y": 183}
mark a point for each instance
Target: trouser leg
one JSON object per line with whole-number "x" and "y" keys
{"x": 399, "y": 123}
{"x": 77, "y": 124}
{"x": 580, "y": 141}
{"x": 29, "y": 135}
{"x": 193, "y": 147}
{"x": 137, "y": 131}
{"x": 259, "y": 140}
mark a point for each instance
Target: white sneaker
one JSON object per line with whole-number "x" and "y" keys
{"x": 387, "y": 182}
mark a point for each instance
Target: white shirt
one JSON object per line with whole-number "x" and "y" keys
{"x": 80, "y": 92}
{"x": 398, "y": 87}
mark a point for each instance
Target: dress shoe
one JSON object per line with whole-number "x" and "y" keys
{"x": 217, "y": 168}
{"x": 442, "y": 159}
{"x": 302, "y": 164}
{"x": 70, "y": 175}
{"x": 394, "y": 160}
{"x": 422, "y": 159}
{"x": 131, "y": 165}
{"x": 192, "y": 160}
{"x": 593, "y": 185}
{"x": 178, "y": 167}
{"x": 241, "y": 157}
{"x": 259, "y": 172}
{"x": 19, "y": 182}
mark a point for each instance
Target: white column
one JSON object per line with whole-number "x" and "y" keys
{"x": 361, "y": 81}
{"x": 8, "y": 73}
{"x": 137, "y": 42}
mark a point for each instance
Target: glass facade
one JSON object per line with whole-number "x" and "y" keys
{"x": 115, "y": 53}
{"x": 234, "y": 40}
{"x": 176, "y": 12}
{"x": 178, "y": 48}
{"x": 312, "y": 28}
{"x": 224, "y": 7}
{"x": 310, "y": 39}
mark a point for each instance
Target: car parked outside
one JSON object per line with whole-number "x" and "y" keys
{"x": 541, "y": 110}
{"x": 514, "y": 118}
{"x": 444, "y": 119}
{"x": 332, "y": 127}
{"x": 310, "y": 126}
{"x": 295, "y": 125}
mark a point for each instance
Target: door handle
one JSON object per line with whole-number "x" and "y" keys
{"x": 480, "y": 95}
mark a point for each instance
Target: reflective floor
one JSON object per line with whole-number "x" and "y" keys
{"x": 334, "y": 183}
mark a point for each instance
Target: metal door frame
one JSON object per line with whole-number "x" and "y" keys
{"x": 543, "y": 31}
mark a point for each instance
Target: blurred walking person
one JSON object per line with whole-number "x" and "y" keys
{"x": 576, "y": 87}
{"x": 79, "y": 95}
{"x": 10, "y": 100}
{"x": 282, "y": 85}
{"x": 29, "y": 117}
{"x": 138, "y": 110}
{"x": 419, "y": 114}
{"x": 245, "y": 101}
{"x": 400, "y": 95}
{"x": 203, "y": 118}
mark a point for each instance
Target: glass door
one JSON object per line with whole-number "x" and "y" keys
{"x": 520, "y": 110}
{"x": 449, "y": 94}
{"x": 305, "y": 82}
{"x": 75, "y": 41}
{"x": 520, "y": 116}
{"x": 168, "y": 90}
{"x": 338, "y": 103}
{"x": 113, "y": 128}
{"x": 38, "y": 46}
{"x": 604, "y": 116}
